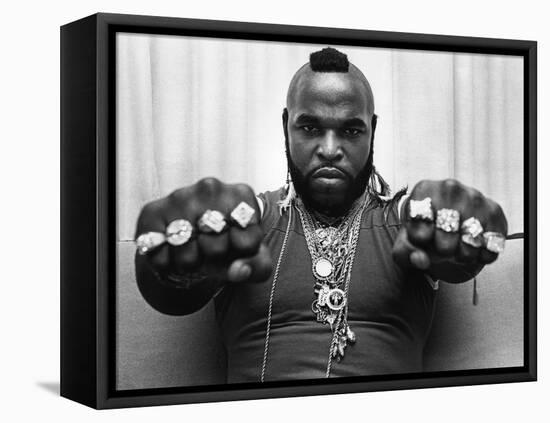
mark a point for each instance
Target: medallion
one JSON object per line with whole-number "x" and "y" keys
{"x": 336, "y": 299}
{"x": 322, "y": 268}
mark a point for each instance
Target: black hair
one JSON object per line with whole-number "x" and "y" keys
{"x": 328, "y": 60}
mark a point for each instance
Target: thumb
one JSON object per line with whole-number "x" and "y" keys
{"x": 257, "y": 268}
{"x": 406, "y": 255}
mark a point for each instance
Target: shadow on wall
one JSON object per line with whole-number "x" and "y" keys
{"x": 157, "y": 351}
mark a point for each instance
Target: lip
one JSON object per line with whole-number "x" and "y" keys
{"x": 329, "y": 173}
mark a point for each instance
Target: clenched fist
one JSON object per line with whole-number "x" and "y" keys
{"x": 234, "y": 254}
{"x": 450, "y": 230}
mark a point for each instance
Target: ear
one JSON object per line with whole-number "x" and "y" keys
{"x": 373, "y": 122}
{"x": 285, "y": 122}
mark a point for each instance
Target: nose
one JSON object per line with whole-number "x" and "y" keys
{"x": 330, "y": 147}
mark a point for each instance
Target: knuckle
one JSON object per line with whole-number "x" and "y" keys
{"x": 243, "y": 190}
{"x": 451, "y": 185}
{"x": 494, "y": 210}
{"x": 497, "y": 216}
{"x": 150, "y": 212}
{"x": 209, "y": 185}
{"x": 151, "y": 208}
{"x": 477, "y": 199}
{"x": 178, "y": 196}
{"x": 420, "y": 186}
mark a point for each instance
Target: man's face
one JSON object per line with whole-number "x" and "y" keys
{"x": 328, "y": 128}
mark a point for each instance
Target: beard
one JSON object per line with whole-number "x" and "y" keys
{"x": 332, "y": 207}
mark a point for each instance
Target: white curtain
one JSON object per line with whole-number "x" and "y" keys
{"x": 191, "y": 107}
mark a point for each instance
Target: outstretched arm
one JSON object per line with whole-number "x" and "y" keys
{"x": 450, "y": 231}
{"x": 183, "y": 258}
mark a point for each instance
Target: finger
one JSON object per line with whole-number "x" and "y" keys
{"x": 185, "y": 258}
{"x": 472, "y": 214}
{"x": 446, "y": 243}
{"x": 467, "y": 253}
{"x": 451, "y": 196}
{"x": 245, "y": 242}
{"x": 243, "y": 211}
{"x": 496, "y": 222}
{"x": 151, "y": 219}
{"x": 420, "y": 232}
{"x": 406, "y": 254}
{"x": 214, "y": 245}
{"x": 257, "y": 268}
{"x": 486, "y": 256}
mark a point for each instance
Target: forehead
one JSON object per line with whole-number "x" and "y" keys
{"x": 334, "y": 93}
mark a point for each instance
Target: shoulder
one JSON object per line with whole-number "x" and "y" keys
{"x": 270, "y": 209}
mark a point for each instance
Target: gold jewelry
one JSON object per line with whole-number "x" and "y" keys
{"x": 212, "y": 221}
{"x": 178, "y": 232}
{"x": 447, "y": 220}
{"x": 332, "y": 250}
{"x": 421, "y": 209}
{"x": 149, "y": 241}
{"x": 471, "y": 232}
{"x": 494, "y": 242}
{"x": 335, "y": 299}
{"x": 242, "y": 214}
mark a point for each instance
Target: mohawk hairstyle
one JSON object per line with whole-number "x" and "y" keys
{"x": 328, "y": 60}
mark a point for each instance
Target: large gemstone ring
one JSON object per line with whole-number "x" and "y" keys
{"x": 494, "y": 242}
{"x": 448, "y": 220}
{"x": 242, "y": 214}
{"x": 421, "y": 209}
{"x": 212, "y": 221}
{"x": 149, "y": 241}
{"x": 471, "y": 232}
{"x": 179, "y": 232}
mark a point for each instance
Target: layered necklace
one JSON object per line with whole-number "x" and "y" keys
{"x": 332, "y": 245}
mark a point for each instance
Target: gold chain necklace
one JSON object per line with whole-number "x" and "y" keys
{"x": 332, "y": 250}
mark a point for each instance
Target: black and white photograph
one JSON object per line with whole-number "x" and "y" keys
{"x": 293, "y": 211}
{"x": 314, "y": 211}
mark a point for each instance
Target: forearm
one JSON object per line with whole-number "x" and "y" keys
{"x": 170, "y": 296}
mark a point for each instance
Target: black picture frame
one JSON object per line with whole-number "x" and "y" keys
{"x": 88, "y": 212}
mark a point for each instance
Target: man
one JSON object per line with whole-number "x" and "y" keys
{"x": 328, "y": 276}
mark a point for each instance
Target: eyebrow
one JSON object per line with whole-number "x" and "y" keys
{"x": 306, "y": 118}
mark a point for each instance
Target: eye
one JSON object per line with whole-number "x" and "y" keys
{"x": 310, "y": 129}
{"x": 353, "y": 132}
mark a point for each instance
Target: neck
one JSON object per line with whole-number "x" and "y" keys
{"x": 332, "y": 217}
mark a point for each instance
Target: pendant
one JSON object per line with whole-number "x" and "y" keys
{"x": 345, "y": 337}
{"x": 322, "y": 296}
{"x": 336, "y": 299}
{"x": 322, "y": 268}
{"x": 350, "y": 335}
{"x": 330, "y": 318}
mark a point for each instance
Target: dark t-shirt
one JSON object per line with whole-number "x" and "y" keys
{"x": 390, "y": 312}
